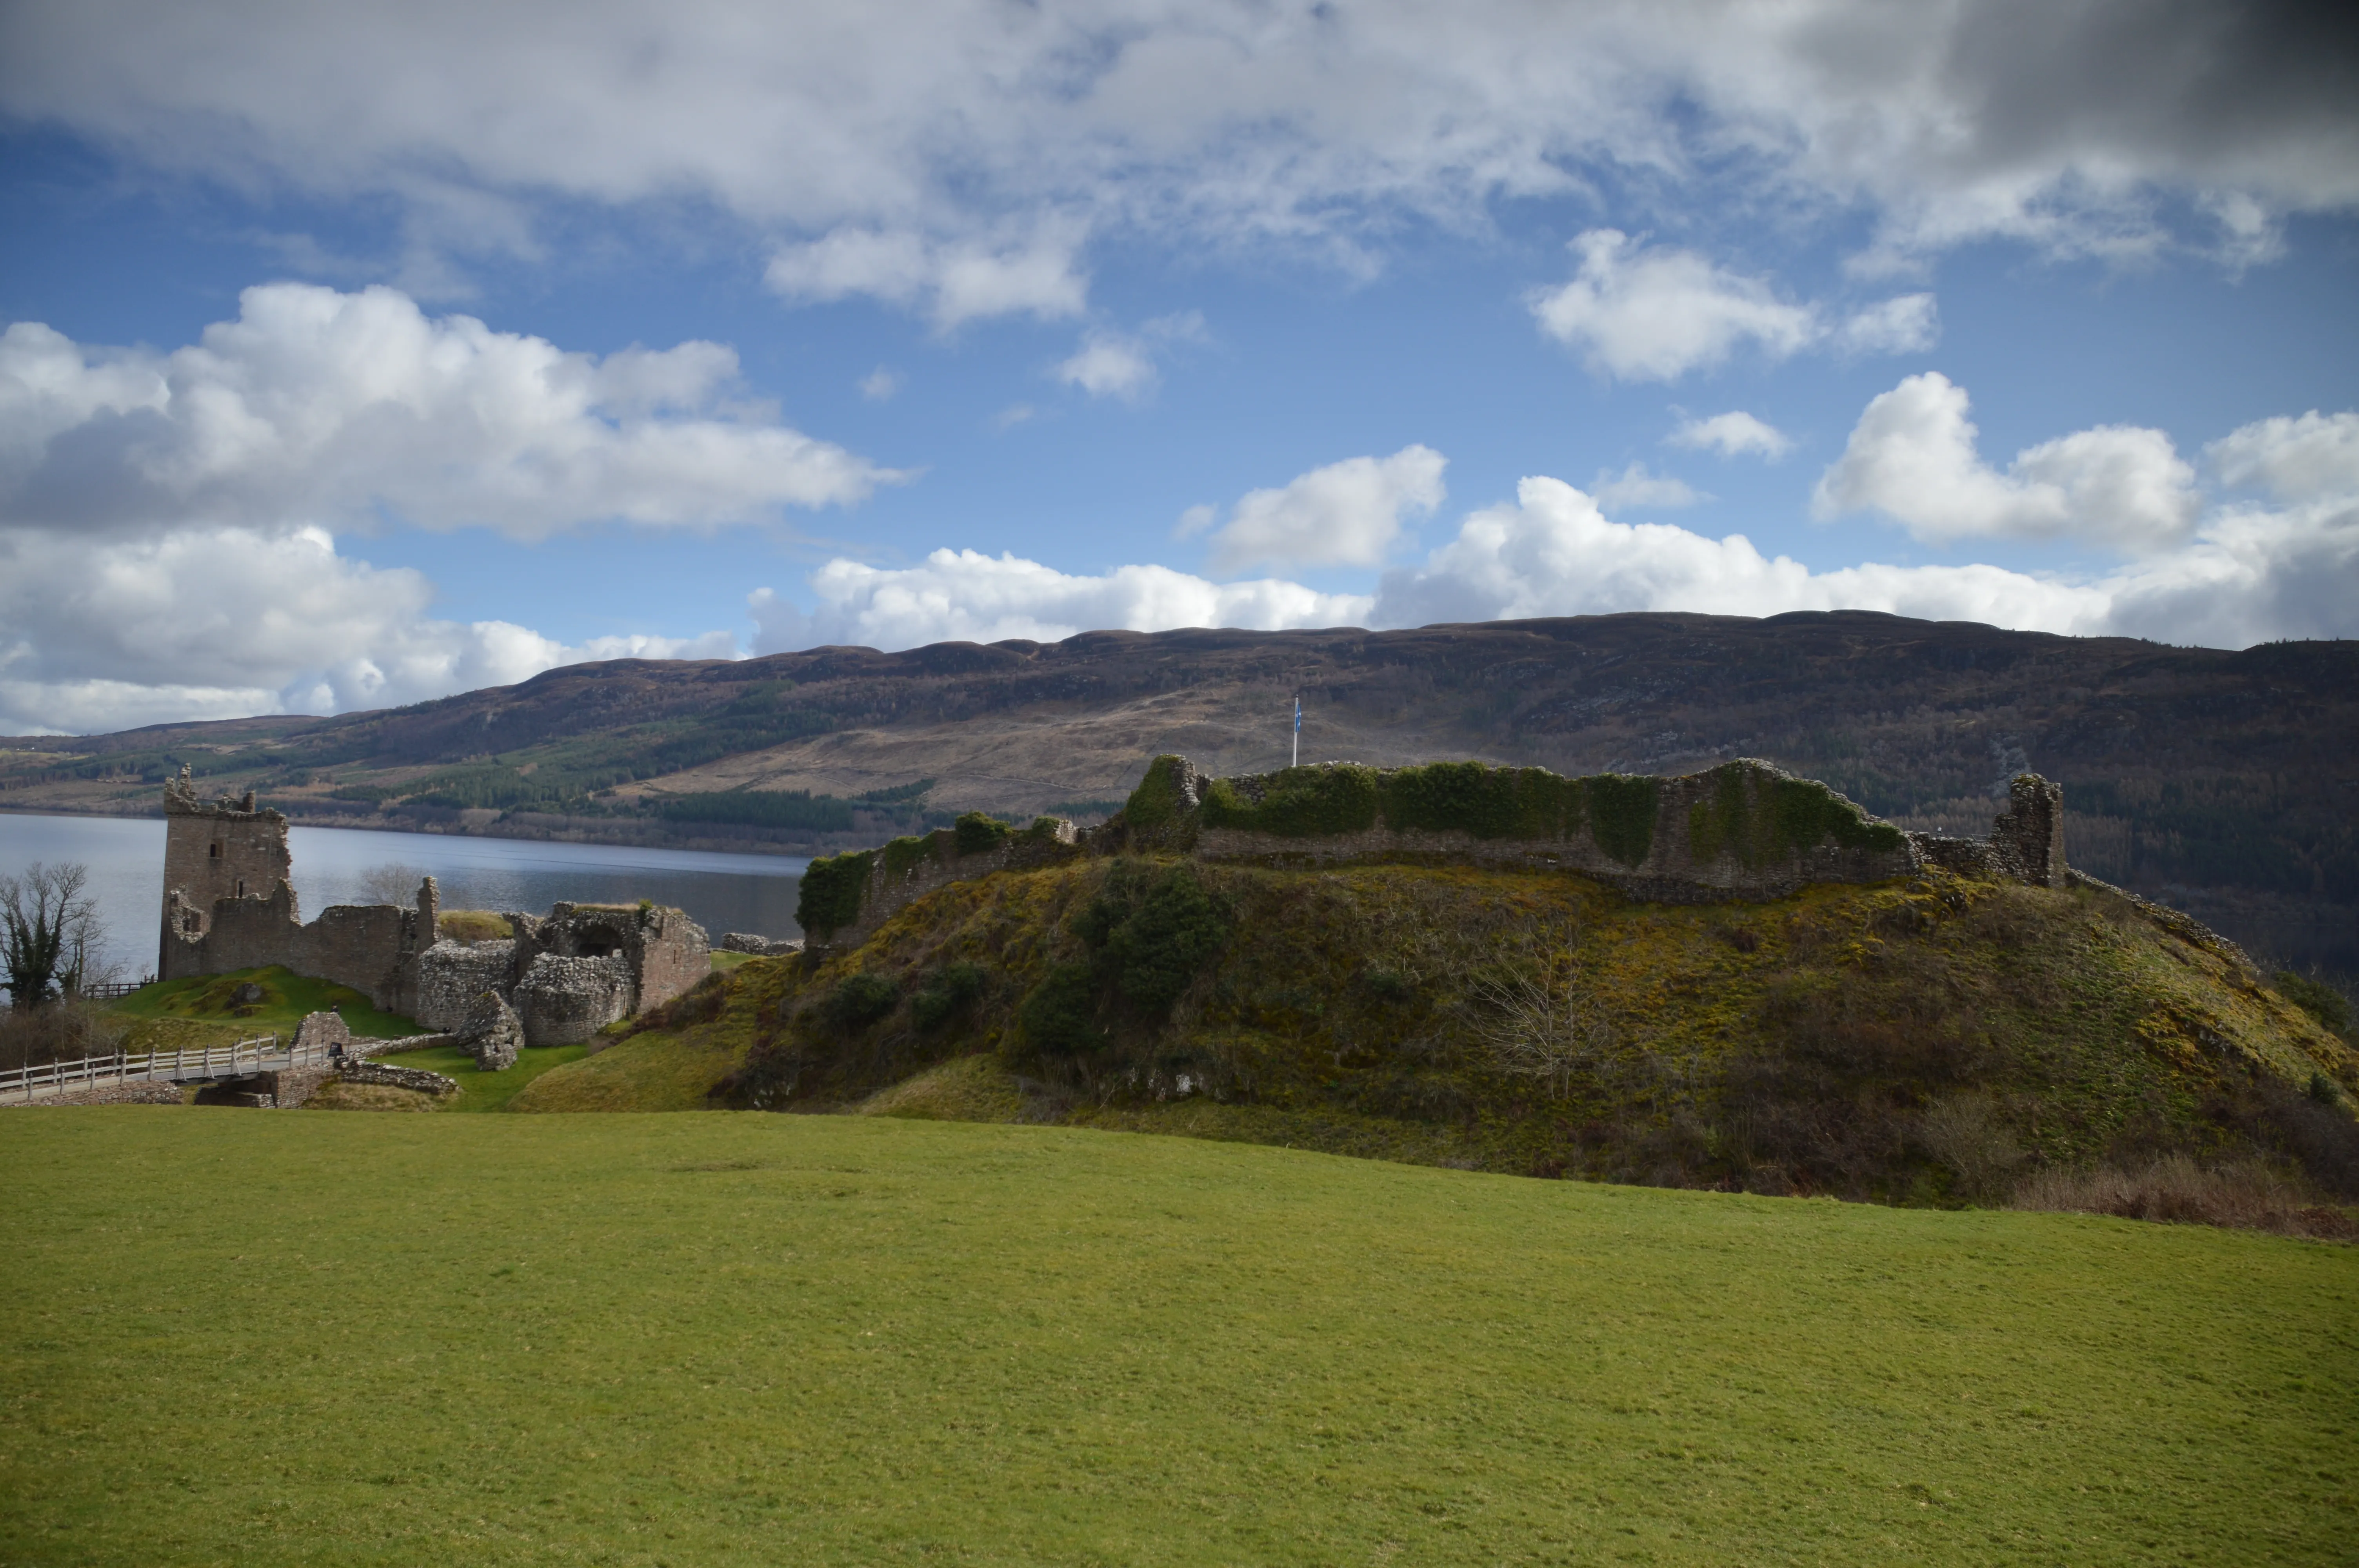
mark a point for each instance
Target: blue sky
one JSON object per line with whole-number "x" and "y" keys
{"x": 359, "y": 355}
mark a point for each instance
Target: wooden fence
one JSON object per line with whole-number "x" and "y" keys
{"x": 263, "y": 1053}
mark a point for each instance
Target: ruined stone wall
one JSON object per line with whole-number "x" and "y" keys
{"x": 452, "y": 975}
{"x": 923, "y": 864}
{"x": 562, "y": 1001}
{"x": 374, "y": 949}
{"x": 662, "y": 950}
{"x": 1741, "y": 830}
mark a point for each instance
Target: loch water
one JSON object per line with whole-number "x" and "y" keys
{"x": 721, "y": 892}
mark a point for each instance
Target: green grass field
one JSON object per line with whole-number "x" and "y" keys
{"x": 287, "y": 996}
{"x": 480, "y": 1090}
{"x": 254, "y": 1339}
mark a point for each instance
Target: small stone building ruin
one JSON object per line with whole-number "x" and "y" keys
{"x": 229, "y": 903}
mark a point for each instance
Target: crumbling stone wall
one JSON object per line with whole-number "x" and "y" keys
{"x": 1744, "y": 829}
{"x": 870, "y": 885}
{"x": 759, "y": 946}
{"x": 451, "y": 974}
{"x": 562, "y": 1001}
{"x": 374, "y": 949}
{"x": 215, "y": 849}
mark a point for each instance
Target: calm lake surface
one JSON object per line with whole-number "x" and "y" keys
{"x": 333, "y": 865}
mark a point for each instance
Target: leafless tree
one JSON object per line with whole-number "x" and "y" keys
{"x": 392, "y": 882}
{"x": 1545, "y": 1022}
{"x": 52, "y": 938}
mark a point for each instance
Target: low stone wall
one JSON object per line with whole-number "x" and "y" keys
{"x": 358, "y": 1070}
{"x": 892, "y": 886}
{"x": 759, "y": 946}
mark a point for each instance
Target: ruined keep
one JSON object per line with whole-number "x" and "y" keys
{"x": 1743, "y": 831}
{"x": 229, "y": 903}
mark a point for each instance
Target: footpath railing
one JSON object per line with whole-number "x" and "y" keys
{"x": 263, "y": 1053}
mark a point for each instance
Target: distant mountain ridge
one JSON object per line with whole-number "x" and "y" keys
{"x": 2224, "y": 782}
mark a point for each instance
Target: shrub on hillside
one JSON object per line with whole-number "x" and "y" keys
{"x": 2249, "y": 1196}
{"x": 978, "y": 832}
{"x": 859, "y": 1001}
{"x": 2316, "y": 998}
{"x": 944, "y": 992}
{"x": 1058, "y": 1019}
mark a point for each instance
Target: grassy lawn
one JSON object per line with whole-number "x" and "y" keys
{"x": 742, "y": 1338}
{"x": 285, "y": 998}
{"x": 479, "y": 1090}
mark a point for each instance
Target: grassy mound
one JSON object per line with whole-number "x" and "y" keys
{"x": 765, "y": 1339}
{"x": 1940, "y": 1041}
{"x": 165, "y": 1012}
{"x": 672, "y": 1057}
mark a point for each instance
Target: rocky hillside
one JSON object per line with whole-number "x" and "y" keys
{"x": 2225, "y": 782}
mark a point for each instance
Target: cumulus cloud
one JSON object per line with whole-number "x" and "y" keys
{"x": 965, "y": 596}
{"x": 2247, "y": 574}
{"x": 1912, "y": 458}
{"x": 1109, "y": 364}
{"x": 1346, "y": 514}
{"x": 1655, "y": 315}
{"x": 320, "y": 408}
{"x": 1121, "y": 364}
{"x": 1908, "y": 324}
{"x": 953, "y": 281}
{"x": 1636, "y": 487}
{"x": 2296, "y": 459}
{"x": 845, "y": 131}
{"x": 224, "y": 622}
{"x": 1732, "y": 434}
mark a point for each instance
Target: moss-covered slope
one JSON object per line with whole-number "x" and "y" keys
{"x": 1933, "y": 1040}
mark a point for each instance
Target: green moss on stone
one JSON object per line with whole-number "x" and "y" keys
{"x": 1759, "y": 817}
{"x": 1488, "y": 803}
{"x": 1299, "y": 803}
{"x": 978, "y": 832}
{"x": 833, "y": 890}
{"x": 1622, "y": 814}
{"x": 905, "y": 853}
{"x": 1160, "y": 797}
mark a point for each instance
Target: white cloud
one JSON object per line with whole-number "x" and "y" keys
{"x": 1906, "y": 324}
{"x": 1346, "y": 514}
{"x": 2069, "y": 127}
{"x": 320, "y": 408}
{"x": 964, "y": 596}
{"x": 224, "y": 622}
{"x": 2249, "y": 574}
{"x": 2295, "y": 460}
{"x": 1109, "y": 364}
{"x": 1654, "y": 315}
{"x": 879, "y": 384}
{"x": 1731, "y": 435}
{"x": 1634, "y": 486}
{"x": 954, "y": 281}
{"x": 1912, "y": 458}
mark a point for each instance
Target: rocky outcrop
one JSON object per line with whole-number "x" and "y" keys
{"x": 563, "y": 1001}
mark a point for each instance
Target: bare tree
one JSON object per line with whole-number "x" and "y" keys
{"x": 1546, "y": 1023}
{"x": 50, "y": 933}
{"x": 392, "y": 882}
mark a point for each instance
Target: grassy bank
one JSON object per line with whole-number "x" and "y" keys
{"x": 479, "y": 1090}
{"x": 210, "y": 1002}
{"x": 765, "y": 1339}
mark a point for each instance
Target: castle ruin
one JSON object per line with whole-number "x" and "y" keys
{"x": 229, "y": 905}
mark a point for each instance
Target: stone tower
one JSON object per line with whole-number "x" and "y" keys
{"x": 2028, "y": 839}
{"x": 215, "y": 849}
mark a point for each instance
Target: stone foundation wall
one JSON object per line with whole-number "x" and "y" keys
{"x": 374, "y": 949}
{"x": 357, "y": 1070}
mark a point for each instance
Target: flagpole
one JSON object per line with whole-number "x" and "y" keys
{"x": 1298, "y": 731}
